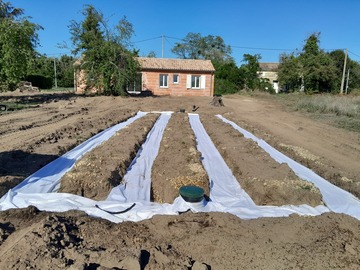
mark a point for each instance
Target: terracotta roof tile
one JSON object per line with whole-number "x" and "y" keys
{"x": 175, "y": 64}
{"x": 269, "y": 66}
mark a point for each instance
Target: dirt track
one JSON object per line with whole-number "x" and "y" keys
{"x": 32, "y": 138}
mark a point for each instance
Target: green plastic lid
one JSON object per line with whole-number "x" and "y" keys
{"x": 192, "y": 193}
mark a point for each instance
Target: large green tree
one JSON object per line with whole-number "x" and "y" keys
{"x": 229, "y": 78}
{"x": 318, "y": 69}
{"x": 250, "y": 69}
{"x": 312, "y": 69}
{"x": 353, "y": 67}
{"x": 195, "y": 46}
{"x": 106, "y": 58}
{"x": 289, "y": 72}
{"x": 18, "y": 39}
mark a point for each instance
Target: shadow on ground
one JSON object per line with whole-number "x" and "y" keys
{"x": 16, "y": 165}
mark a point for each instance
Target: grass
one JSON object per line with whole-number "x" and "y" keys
{"x": 342, "y": 111}
{"x": 329, "y": 104}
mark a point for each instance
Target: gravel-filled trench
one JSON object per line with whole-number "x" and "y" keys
{"x": 266, "y": 181}
{"x": 178, "y": 162}
{"x": 103, "y": 168}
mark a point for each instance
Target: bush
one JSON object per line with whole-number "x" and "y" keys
{"x": 43, "y": 82}
{"x": 223, "y": 86}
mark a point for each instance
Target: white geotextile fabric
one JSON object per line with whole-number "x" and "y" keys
{"x": 225, "y": 189}
{"x": 47, "y": 179}
{"x": 137, "y": 180}
{"x": 335, "y": 198}
{"x": 133, "y": 197}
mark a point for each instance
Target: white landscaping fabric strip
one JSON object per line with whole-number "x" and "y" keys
{"x": 336, "y": 199}
{"x": 137, "y": 180}
{"x": 225, "y": 189}
{"x": 48, "y": 178}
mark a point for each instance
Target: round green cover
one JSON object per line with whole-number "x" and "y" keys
{"x": 191, "y": 193}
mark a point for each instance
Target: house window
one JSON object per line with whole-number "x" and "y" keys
{"x": 176, "y": 78}
{"x": 163, "y": 80}
{"x": 195, "y": 81}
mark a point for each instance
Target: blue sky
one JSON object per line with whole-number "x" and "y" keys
{"x": 273, "y": 25}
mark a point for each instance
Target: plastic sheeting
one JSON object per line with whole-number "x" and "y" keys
{"x": 137, "y": 180}
{"x": 226, "y": 195}
{"x": 336, "y": 199}
{"x": 47, "y": 179}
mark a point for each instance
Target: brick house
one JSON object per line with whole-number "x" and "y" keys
{"x": 177, "y": 77}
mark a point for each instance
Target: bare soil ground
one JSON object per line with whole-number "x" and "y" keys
{"x": 30, "y": 239}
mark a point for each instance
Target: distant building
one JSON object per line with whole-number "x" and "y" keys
{"x": 270, "y": 71}
{"x": 164, "y": 76}
{"x": 177, "y": 77}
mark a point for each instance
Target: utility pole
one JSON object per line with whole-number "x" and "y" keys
{"x": 162, "y": 47}
{"x": 347, "y": 81}
{"x": 343, "y": 76}
{"x": 55, "y": 73}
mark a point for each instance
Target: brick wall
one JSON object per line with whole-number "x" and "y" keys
{"x": 151, "y": 81}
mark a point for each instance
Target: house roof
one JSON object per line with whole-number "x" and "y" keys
{"x": 269, "y": 66}
{"x": 175, "y": 64}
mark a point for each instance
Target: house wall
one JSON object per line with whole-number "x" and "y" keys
{"x": 80, "y": 83}
{"x": 151, "y": 82}
{"x": 273, "y": 78}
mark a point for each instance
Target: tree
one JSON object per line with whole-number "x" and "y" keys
{"x": 65, "y": 71}
{"x": 250, "y": 70}
{"x": 289, "y": 73}
{"x": 338, "y": 57}
{"x": 229, "y": 78}
{"x": 194, "y": 46}
{"x": 318, "y": 69}
{"x": 18, "y": 39}
{"x": 108, "y": 63}
{"x": 312, "y": 69}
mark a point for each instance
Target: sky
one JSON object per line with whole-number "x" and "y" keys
{"x": 265, "y": 27}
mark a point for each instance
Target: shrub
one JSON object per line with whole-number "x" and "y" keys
{"x": 223, "y": 86}
{"x": 43, "y": 82}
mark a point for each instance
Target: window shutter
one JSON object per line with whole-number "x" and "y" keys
{"x": 202, "y": 81}
{"x": 188, "y": 81}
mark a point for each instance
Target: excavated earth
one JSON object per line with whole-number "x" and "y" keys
{"x": 31, "y": 138}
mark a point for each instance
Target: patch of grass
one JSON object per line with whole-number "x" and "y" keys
{"x": 339, "y": 105}
{"x": 342, "y": 111}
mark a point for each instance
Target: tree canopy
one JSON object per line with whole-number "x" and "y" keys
{"x": 314, "y": 70}
{"x": 195, "y": 46}
{"x": 18, "y": 39}
{"x": 108, "y": 62}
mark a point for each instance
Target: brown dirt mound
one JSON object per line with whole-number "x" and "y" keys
{"x": 73, "y": 240}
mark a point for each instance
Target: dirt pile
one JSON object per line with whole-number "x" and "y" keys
{"x": 190, "y": 241}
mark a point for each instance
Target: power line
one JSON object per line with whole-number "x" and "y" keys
{"x": 260, "y": 49}
{"x": 146, "y": 39}
{"x": 354, "y": 54}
